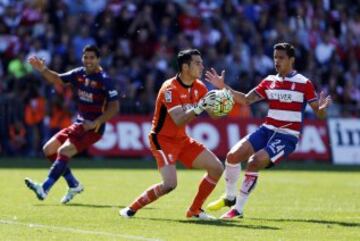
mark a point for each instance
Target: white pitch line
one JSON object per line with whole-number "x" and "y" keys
{"x": 75, "y": 230}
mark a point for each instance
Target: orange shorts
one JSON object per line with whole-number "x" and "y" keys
{"x": 168, "y": 150}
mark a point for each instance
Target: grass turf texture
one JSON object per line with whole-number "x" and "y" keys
{"x": 291, "y": 202}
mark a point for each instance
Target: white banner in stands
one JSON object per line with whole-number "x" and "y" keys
{"x": 345, "y": 140}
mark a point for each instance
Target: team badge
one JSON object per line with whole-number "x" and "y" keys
{"x": 293, "y": 86}
{"x": 168, "y": 96}
{"x": 80, "y": 79}
{"x": 171, "y": 157}
{"x": 93, "y": 84}
{"x": 87, "y": 82}
{"x": 272, "y": 86}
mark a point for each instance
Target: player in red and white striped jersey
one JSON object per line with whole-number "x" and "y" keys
{"x": 287, "y": 94}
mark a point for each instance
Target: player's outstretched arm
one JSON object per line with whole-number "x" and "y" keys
{"x": 39, "y": 64}
{"x": 320, "y": 106}
{"x": 239, "y": 97}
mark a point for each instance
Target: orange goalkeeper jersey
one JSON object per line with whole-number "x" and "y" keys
{"x": 174, "y": 93}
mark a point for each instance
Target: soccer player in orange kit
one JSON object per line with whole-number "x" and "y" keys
{"x": 179, "y": 101}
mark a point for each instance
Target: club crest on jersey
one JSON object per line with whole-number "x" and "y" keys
{"x": 168, "y": 96}
{"x": 196, "y": 93}
{"x": 93, "y": 84}
{"x": 80, "y": 79}
{"x": 293, "y": 86}
{"x": 171, "y": 157}
{"x": 272, "y": 86}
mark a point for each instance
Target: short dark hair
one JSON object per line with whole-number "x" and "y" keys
{"x": 289, "y": 49}
{"x": 185, "y": 56}
{"x": 92, "y": 48}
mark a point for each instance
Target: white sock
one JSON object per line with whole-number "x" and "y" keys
{"x": 247, "y": 187}
{"x": 232, "y": 173}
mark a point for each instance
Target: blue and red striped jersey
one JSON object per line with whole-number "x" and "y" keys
{"x": 92, "y": 92}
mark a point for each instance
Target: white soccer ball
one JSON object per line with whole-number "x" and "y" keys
{"x": 224, "y": 102}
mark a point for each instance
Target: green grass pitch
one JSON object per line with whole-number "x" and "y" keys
{"x": 294, "y": 202}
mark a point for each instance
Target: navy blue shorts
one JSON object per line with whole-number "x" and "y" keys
{"x": 277, "y": 145}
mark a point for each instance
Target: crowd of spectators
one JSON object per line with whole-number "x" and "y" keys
{"x": 139, "y": 40}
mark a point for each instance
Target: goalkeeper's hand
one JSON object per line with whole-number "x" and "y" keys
{"x": 208, "y": 101}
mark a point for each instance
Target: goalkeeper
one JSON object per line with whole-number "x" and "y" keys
{"x": 179, "y": 101}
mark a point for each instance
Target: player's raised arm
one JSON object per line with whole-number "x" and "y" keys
{"x": 321, "y": 105}
{"x": 239, "y": 97}
{"x": 50, "y": 75}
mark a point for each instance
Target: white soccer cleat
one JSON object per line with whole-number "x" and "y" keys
{"x": 71, "y": 193}
{"x": 200, "y": 215}
{"x": 127, "y": 212}
{"x": 36, "y": 188}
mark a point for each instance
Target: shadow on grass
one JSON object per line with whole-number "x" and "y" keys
{"x": 85, "y": 205}
{"x": 325, "y": 222}
{"x": 222, "y": 223}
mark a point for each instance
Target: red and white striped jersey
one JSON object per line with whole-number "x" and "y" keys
{"x": 287, "y": 98}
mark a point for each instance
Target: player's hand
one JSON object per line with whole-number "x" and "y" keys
{"x": 37, "y": 63}
{"x": 89, "y": 125}
{"x": 206, "y": 102}
{"x": 92, "y": 125}
{"x": 324, "y": 101}
{"x": 215, "y": 79}
{"x": 97, "y": 125}
{"x": 209, "y": 100}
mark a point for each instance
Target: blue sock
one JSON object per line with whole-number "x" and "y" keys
{"x": 56, "y": 170}
{"x": 70, "y": 179}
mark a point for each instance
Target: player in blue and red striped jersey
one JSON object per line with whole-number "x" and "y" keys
{"x": 97, "y": 102}
{"x": 287, "y": 94}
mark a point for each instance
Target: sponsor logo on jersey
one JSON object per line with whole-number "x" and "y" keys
{"x": 282, "y": 97}
{"x": 187, "y": 107}
{"x": 85, "y": 96}
{"x": 168, "y": 96}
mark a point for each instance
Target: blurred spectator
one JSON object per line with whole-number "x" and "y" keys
{"x": 17, "y": 138}
{"x": 34, "y": 117}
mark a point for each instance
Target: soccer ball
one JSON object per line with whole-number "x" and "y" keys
{"x": 224, "y": 103}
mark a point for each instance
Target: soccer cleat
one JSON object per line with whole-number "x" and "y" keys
{"x": 36, "y": 188}
{"x": 200, "y": 214}
{"x": 127, "y": 212}
{"x": 72, "y": 191}
{"x": 232, "y": 213}
{"x": 220, "y": 203}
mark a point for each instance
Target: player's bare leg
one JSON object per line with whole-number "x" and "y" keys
{"x": 238, "y": 153}
{"x": 208, "y": 161}
{"x": 258, "y": 161}
{"x": 151, "y": 194}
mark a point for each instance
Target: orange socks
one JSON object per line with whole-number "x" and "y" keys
{"x": 150, "y": 195}
{"x": 206, "y": 186}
